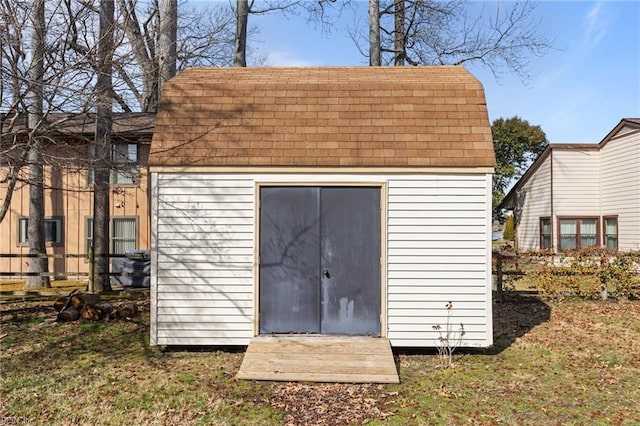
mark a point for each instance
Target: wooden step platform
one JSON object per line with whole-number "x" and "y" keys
{"x": 344, "y": 359}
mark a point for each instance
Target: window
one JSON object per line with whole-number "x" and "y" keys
{"x": 545, "y": 233}
{"x": 123, "y": 235}
{"x": 52, "y": 230}
{"x": 577, "y": 233}
{"x": 611, "y": 233}
{"x": 125, "y": 159}
{"x": 125, "y": 164}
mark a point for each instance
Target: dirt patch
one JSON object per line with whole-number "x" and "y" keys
{"x": 329, "y": 404}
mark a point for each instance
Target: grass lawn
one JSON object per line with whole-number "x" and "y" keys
{"x": 575, "y": 363}
{"x": 56, "y": 286}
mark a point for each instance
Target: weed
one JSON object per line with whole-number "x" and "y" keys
{"x": 448, "y": 340}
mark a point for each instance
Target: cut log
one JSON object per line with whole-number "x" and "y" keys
{"x": 91, "y": 313}
{"x": 59, "y": 304}
{"x": 127, "y": 310}
{"x": 106, "y": 308}
{"x": 69, "y": 314}
{"x": 67, "y": 302}
{"x": 80, "y": 300}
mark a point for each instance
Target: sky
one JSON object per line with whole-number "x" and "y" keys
{"x": 577, "y": 93}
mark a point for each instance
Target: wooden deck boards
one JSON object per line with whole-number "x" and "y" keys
{"x": 343, "y": 359}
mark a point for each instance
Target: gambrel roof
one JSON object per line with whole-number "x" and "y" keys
{"x": 333, "y": 117}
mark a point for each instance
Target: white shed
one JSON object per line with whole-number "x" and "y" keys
{"x": 321, "y": 201}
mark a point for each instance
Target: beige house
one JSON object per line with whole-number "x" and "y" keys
{"x": 321, "y": 201}
{"x": 580, "y": 195}
{"x": 68, "y": 191}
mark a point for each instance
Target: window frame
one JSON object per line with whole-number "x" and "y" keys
{"x": 23, "y": 238}
{"x": 130, "y": 175}
{"x": 542, "y": 235}
{"x": 89, "y": 232}
{"x": 117, "y": 167}
{"x": 604, "y": 231}
{"x": 577, "y": 220}
{"x": 113, "y": 239}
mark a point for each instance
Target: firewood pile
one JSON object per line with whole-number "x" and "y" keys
{"x": 88, "y": 306}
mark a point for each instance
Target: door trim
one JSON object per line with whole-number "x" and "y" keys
{"x": 381, "y": 185}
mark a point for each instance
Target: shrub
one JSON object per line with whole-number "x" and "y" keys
{"x": 509, "y": 232}
{"x": 592, "y": 273}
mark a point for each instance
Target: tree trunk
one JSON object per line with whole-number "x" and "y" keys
{"x": 11, "y": 184}
{"x": 240, "y": 48}
{"x": 167, "y": 41}
{"x": 144, "y": 55}
{"x": 104, "y": 121}
{"x": 375, "y": 54}
{"x": 101, "y": 217}
{"x": 35, "y": 227}
{"x": 400, "y": 47}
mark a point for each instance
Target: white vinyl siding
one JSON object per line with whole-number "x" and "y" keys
{"x": 576, "y": 183}
{"x": 204, "y": 239}
{"x": 535, "y": 197}
{"x": 437, "y": 251}
{"x": 621, "y": 187}
{"x": 599, "y": 183}
{"x": 437, "y": 242}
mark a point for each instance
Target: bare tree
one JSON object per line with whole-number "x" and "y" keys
{"x": 145, "y": 48}
{"x": 429, "y": 32}
{"x": 242, "y": 20}
{"x": 399, "y": 34}
{"x": 38, "y": 265}
{"x": 375, "y": 53}
{"x": 13, "y": 155}
{"x": 205, "y": 38}
{"x": 104, "y": 122}
{"x": 167, "y": 40}
{"x": 36, "y": 80}
{"x": 313, "y": 10}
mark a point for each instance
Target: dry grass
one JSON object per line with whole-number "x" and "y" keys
{"x": 56, "y": 286}
{"x": 572, "y": 363}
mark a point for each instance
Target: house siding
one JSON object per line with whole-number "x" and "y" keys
{"x": 621, "y": 187}
{"x": 589, "y": 180}
{"x": 437, "y": 251}
{"x": 576, "y": 183}
{"x": 69, "y": 197}
{"x": 204, "y": 276}
{"x": 536, "y": 203}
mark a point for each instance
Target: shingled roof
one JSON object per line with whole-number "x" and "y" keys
{"x": 330, "y": 117}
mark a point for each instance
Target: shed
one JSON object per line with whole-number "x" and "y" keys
{"x": 346, "y": 201}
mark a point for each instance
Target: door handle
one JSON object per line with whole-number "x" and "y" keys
{"x": 326, "y": 273}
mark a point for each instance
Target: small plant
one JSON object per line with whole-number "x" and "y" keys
{"x": 448, "y": 339}
{"x": 509, "y": 232}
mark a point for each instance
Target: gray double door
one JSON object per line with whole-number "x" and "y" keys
{"x": 320, "y": 260}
